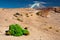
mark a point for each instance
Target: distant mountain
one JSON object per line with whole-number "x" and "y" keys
{"x": 56, "y": 9}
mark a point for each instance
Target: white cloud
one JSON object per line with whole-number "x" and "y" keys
{"x": 37, "y": 4}
{"x": 43, "y": 2}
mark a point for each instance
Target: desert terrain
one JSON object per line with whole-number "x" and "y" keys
{"x": 40, "y": 28}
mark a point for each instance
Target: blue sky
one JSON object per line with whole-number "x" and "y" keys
{"x": 26, "y": 3}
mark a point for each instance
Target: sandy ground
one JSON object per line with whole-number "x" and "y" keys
{"x": 40, "y": 28}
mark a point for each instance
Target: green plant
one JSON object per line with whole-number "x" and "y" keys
{"x": 17, "y": 30}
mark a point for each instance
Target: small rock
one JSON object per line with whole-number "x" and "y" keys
{"x": 50, "y": 27}
{"x": 57, "y": 30}
{"x": 19, "y": 19}
{"x": 17, "y": 14}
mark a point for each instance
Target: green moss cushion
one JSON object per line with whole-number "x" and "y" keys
{"x": 17, "y": 30}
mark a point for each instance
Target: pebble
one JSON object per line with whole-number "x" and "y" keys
{"x": 19, "y": 19}
{"x": 17, "y": 14}
{"x": 57, "y": 30}
{"x": 50, "y": 27}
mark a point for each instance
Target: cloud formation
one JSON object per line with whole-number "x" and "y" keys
{"x": 37, "y": 4}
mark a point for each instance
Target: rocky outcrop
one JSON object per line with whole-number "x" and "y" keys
{"x": 56, "y": 9}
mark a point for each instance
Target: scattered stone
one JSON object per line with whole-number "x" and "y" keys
{"x": 21, "y": 15}
{"x": 25, "y": 28}
{"x": 37, "y": 13}
{"x": 7, "y": 33}
{"x": 17, "y": 14}
{"x": 27, "y": 16}
{"x": 57, "y": 30}
{"x": 56, "y": 9}
{"x": 19, "y": 19}
{"x": 50, "y": 27}
{"x": 6, "y": 19}
{"x": 31, "y": 15}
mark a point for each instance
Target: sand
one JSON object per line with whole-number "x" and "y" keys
{"x": 40, "y": 28}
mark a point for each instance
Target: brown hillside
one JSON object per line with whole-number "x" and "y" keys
{"x": 40, "y": 26}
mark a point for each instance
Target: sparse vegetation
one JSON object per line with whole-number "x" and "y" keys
{"x": 16, "y": 30}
